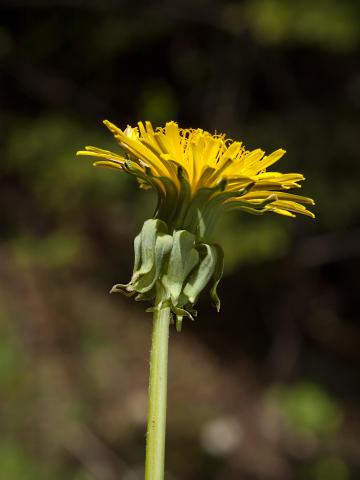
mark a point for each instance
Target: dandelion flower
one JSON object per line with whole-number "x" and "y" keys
{"x": 198, "y": 176}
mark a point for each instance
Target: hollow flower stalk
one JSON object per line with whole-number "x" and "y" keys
{"x": 198, "y": 176}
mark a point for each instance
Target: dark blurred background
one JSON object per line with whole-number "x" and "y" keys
{"x": 269, "y": 388}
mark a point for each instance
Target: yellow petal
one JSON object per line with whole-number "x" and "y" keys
{"x": 271, "y": 159}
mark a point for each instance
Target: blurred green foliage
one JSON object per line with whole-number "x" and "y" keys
{"x": 330, "y": 24}
{"x": 331, "y": 468}
{"x": 309, "y": 408}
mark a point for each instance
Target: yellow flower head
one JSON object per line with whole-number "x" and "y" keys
{"x": 197, "y": 174}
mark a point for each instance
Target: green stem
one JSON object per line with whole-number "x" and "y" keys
{"x": 156, "y": 426}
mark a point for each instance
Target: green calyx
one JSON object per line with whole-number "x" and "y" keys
{"x": 177, "y": 263}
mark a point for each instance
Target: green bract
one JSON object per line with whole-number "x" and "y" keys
{"x": 175, "y": 262}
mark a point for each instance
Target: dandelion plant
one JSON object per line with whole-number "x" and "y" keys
{"x": 198, "y": 177}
